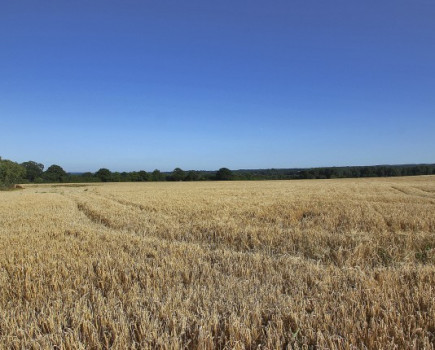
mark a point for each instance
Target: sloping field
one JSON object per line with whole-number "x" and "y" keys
{"x": 333, "y": 264}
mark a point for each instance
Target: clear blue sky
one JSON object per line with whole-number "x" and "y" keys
{"x": 132, "y": 85}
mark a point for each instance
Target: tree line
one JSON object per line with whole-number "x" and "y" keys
{"x": 368, "y": 171}
{"x": 12, "y": 173}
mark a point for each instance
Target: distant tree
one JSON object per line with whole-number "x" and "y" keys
{"x": 143, "y": 175}
{"x": 125, "y": 177}
{"x": 224, "y": 174}
{"x": 33, "y": 170}
{"x": 192, "y": 176}
{"x": 104, "y": 174}
{"x": 11, "y": 173}
{"x": 116, "y": 176}
{"x": 392, "y": 172}
{"x": 133, "y": 176}
{"x": 156, "y": 175}
{"x": 82, "y": 177}
{"x": 178, "y": 174}
{"x": 54, "y": 173}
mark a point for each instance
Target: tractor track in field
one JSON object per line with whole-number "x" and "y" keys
{"x": 92, "y": 215}
{"x": 124, "y": 202}
{"x": 211, "y": 247}
{"x": 424, "y": 193}
{"x": 97, "y": 218}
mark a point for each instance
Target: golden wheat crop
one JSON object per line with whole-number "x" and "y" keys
{"x": 327, "y": 264}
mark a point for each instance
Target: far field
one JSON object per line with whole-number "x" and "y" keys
{"x": 326, "y": 264}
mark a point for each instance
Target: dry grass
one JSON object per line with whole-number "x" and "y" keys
{"x": 336, "y": 264}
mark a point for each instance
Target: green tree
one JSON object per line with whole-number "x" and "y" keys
{"x": 10, "y": 173}
{"x": 104, "y": 174}
{"x": 54, "y": 173}
{"x": 143, "y": 175}
{"x": 224, "y": 174}
{"x": 125, "y": 177}
{"x": 178, "y": 175}
{"x": 116, "y": 177}
{"x": 33, "y": 170}
{"x": 133, "y": 176}
{"x": 192, "y": 176}
{"x": 156, "y": 175}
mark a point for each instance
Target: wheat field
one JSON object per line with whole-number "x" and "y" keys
{"x": 316, "y": 264}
